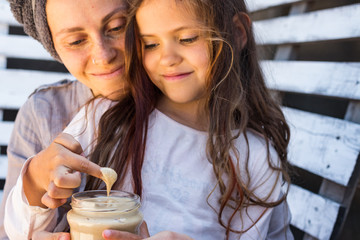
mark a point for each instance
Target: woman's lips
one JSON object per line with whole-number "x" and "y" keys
{"x": 176, "y": 76}
{"x": 110, "y": 74}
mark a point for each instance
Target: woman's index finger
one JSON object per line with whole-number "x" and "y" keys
{"x": 82, "y": 164}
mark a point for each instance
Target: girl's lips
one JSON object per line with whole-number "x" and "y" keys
{"x": 176, "y": 76}
{"x": 111, "y": 74}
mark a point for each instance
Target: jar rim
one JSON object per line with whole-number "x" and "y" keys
{"x": 81, "y": 200}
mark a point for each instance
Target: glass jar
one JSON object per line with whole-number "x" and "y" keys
{"x": 92, "y": 212}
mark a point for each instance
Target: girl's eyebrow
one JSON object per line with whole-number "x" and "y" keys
{"x": 173, "y": 31}
{"x": 106, "y": 18}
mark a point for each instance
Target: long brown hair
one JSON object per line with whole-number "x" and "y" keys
{"x": 237, "y": 99}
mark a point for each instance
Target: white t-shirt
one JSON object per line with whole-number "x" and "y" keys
{"x": 178, "y": 178}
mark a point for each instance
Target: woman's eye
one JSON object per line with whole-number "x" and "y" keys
{"x": 189, "y": 40}
{"x": 116, "y": 29}
{"x": 150, "y": 46}
{"x": 75, "y": 43}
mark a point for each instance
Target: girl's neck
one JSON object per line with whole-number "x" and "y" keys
{"x": 192, "y": 115}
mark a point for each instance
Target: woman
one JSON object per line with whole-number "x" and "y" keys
{"x": 91, "y": 47}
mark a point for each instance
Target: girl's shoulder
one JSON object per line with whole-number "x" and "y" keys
{"x": 257, "y": 148}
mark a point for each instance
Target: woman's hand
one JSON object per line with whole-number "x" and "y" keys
{"x": 42, "y": 235}
{"x": 53, "y": 173}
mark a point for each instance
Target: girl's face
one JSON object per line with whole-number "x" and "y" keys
{"x": 174, "y": 50}
{"x": 89, "y": 38}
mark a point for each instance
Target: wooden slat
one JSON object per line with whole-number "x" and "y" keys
{"x": 319, "y": 78}
{"x": 6, "y": 15}
{"x": 1, "y": 195}
{"x": 310, "y": 27}
{"x": 2, "y": 61}
{"x": 3, "y": 166}
{"x": 323, "y": 145}
{"x": 30, "y": 48}
{"x": 312, "y": 213}
{"x": 4, "y": 29}
{"x": 5, "y": 132}
{"x": 21, "y": 83}
{"x": 256, "y": 5}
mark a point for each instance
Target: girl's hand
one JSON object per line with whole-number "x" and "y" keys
{"x": 118, "y": 235}
{"x": 144, "y": 234}
{"x": 53, "y": 173}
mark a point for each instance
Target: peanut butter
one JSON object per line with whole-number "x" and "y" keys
{"x": 109, "y": 176}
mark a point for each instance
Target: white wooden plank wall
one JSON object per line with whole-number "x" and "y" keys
{"x": 312, "y": 212}
{"x": 335, "y": 79}
{"x": 18, "y": 46}
{"x": 258, "y": 5}
{"x": 310, "y": 27}
{"x": 5, "y": 130}
{"x": 323, "y": 145}
{"x": 3, "y": 166}
{"x": 21, "y": 83}
{"x": 6, "y": 16}
{"x": 22, "y": 47}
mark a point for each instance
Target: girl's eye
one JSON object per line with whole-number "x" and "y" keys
{"x": 189, "y": 40}
{"x": 150, "y": 46}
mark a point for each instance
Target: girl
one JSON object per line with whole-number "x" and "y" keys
{"x": 207, "y": 150}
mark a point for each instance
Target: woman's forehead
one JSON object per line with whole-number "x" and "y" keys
{"x": 70, "y": 14}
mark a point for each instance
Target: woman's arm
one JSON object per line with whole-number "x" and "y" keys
{"x": 21, "y": 219}
{"x": 25, "y": 142}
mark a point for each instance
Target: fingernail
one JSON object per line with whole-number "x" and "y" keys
{"x": 107, "y": 233}
{"x": 62, "y": 237}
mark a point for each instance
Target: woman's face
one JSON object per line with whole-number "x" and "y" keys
{"x": 89, "y": 38}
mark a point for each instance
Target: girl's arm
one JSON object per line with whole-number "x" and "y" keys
{"x": 265, "y": 184}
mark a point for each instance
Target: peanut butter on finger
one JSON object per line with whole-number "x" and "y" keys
{"x": 109, "y": 176}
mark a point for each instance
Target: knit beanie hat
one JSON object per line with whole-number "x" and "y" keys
{"x": 32, "y": 15}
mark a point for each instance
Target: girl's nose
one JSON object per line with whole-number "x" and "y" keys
{"x": 170, "y": 56}
{"x": 103, "y": 52}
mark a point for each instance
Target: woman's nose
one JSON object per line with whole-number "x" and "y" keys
{"x": 103, "y": 52}
{"x": 170, "y": 56}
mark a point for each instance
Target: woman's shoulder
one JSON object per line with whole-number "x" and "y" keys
{"x": 62, "y": 98}
{"x": 61, "y": 90}
{"x": 51, "y": 107}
